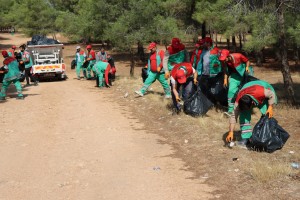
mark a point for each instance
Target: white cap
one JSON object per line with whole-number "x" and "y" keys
{"x": 78, "y": 47}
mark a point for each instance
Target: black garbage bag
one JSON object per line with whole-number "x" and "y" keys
{"x": 22, "y": 77}
{"x": 41, "y": 40}
{"x": 144, "y": 74}
{"x": 198, "y": 104}
{"x": 73, "y": 64}
{"x": 1, "y": 78}
{"x": 268, "y": 135}
{"x": 18, "y": 56}
{"x": 217, "y": 90}
{"x": 86, "y": 64}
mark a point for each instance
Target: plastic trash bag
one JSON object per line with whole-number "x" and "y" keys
{"x": 268, "y": 135}
{"x": 73, "y": 64}
{"x": 198, "y": 104}
{"x": 217, "y": 90}
{"x": 41, "y": 40}
{"x": 144, "y": 74}
{"x": 86, "y": 64}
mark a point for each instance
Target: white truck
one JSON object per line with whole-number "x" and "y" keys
{"x": 48, "y": 62}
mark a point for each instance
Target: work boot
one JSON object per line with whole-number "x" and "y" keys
{"x": 20, "y": 97}
{"x": 78, "y": 78}
{"x": 139, "y": 93}
{"x": 36, "y": 83}
{"x": 168, "y": 96}
{"x": 27, "y": 85}
{"x": 243, "y": 143}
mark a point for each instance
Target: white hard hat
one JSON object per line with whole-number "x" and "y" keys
{"x": 78, "y": 47}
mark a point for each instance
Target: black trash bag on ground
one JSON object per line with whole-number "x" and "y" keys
{"x": 144, "y": 74}
{"x": 217, "y": 89}
{"x": 198, "y": 104}
{"x": 73, "y": 64}
{"x": 268, "y": 135}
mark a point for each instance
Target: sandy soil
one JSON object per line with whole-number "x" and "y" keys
{"x": 69, "y": 140}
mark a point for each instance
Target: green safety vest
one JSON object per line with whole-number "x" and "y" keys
{"x": 176, "y": 58}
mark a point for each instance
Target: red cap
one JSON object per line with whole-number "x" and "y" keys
{"x": 199, "y": 43}
{"x": 13, "y": 47}
{"x": 224, "y": 54}
{"x": 208, "y": 40}
{"x": 175, "y": 42}
{"x": 180, "y": 76}
{"x": 88, "y": 46}
{"x": 4, "y": 53}
{"x": 152, "y": 45}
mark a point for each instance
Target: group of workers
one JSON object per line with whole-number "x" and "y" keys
{"x": 15, "y": 65}
{"x": 100, "y": 63}
{"x": 207, "y": 62}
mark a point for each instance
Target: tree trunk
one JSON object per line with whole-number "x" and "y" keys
{"x": 216, "y": 38}
{"x": 203, "y": 30}
{"x": 228, "y": 43}
{"x": 296, "y": 53}
{"x": 285, "y": 68}
{"x": 244, "y": 37}
{"x": 54, "y": 36}
{"x": 240, "y": 40}
{"x": 278, "y": 56}
{"x": 259, "y": 55}
{"x": 233, "y": 44}
{"x": 132, "y": 63}
{"x": 141, "y": 52}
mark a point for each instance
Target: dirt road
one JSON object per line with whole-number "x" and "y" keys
{"x": 68, "y": 140}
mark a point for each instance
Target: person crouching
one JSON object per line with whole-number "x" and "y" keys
{"x": 183, "y": 74}
{"x": 102, "y": 70}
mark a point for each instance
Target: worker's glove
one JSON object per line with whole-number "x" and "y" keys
{"x": 178, "y": 99}
{"x": 195, "y": 81}
{"x": 229, "y": 137}
{"x": 167, "y": 75}
{"x": 270, "y": 111}
{"x": 225, "y": 82}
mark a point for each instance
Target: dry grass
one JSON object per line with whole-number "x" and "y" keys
{"x": 200, "y": 143}
{"x": 268, "y": 171}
